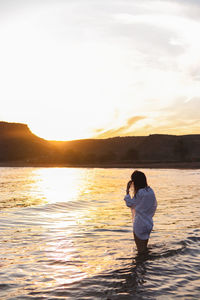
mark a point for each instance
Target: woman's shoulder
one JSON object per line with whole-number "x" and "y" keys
{"x": 146, "y": 190}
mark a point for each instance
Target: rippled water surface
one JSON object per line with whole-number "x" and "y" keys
{"x": 66, "y": 234}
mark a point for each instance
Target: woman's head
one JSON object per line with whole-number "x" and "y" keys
{"x": 139, "y": 180}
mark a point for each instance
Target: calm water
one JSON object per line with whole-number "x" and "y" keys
{"x": 66, "y": 234}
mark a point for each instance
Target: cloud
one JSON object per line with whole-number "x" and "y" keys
{"x": 73, "y": 61}
{"x": 181, "y": 117}
{"x": 184, "y": 109}
{"x": 189, "y": 8}
{"x": 121, "y": 131}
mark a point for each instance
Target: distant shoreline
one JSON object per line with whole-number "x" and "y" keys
{"x": 149, "y": 165}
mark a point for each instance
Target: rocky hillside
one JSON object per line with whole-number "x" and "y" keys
{"x": 153, "y": 148}
{"x": 18, "y": 143}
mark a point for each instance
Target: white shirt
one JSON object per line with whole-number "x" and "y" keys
{"x": 145, "y": 204}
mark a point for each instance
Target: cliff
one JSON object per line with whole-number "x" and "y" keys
{"x": 18, "y": 143}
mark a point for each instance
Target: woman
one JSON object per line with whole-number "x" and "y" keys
{"x": 144, "y": 203}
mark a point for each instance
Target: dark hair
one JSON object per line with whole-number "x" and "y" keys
{"x": 139, "y": 180}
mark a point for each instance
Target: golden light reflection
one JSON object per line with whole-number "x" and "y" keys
{"x": 101, "y": 228}
{"x": 80, "y": 227}
{"x": 19, "y": 188}
{"x": 83, "y": 228}
{"x": 59, "y": 185}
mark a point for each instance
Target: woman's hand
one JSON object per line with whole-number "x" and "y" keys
{"x": 128, "y": 186}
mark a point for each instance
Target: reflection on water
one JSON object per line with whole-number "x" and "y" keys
{"x": 66, "y": 233}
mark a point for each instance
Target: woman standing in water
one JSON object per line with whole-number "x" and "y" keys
{"x": 144, "y": 203}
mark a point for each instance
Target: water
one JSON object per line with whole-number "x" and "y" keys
{"x": 66, "y": 234}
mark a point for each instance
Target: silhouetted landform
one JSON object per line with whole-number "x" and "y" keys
{"x": 18, "y": 145}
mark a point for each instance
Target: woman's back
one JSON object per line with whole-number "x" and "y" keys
{"x": 145, "y": 202}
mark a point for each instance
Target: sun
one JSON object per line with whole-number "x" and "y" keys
{"x": 58, "y": 132}
{"x": 74, "y": 121}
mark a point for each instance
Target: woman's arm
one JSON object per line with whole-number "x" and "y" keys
{"x": 128, "y": 187}
{"x": 130, "y": 202}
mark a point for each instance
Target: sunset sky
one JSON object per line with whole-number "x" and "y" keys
{"x": 74, "y": 69}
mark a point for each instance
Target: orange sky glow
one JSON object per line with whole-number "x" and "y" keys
{"x": 98, "y": 69}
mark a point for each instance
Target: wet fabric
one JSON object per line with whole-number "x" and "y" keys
{"x": 144, "y": 203}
